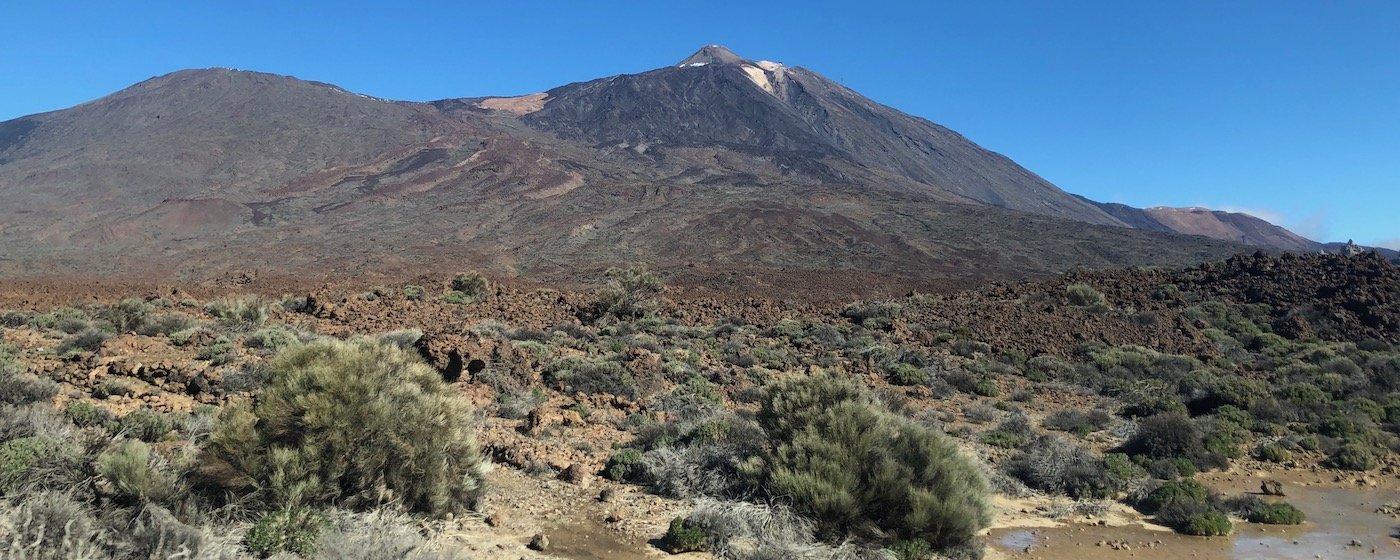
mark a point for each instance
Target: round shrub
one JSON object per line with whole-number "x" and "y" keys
{"x": 290, "y": 530}
{"x": 683, "y": 536}
{"x": 1174, "y": 492}
{"x": 1276, "y": 514}
{"x": 354, "y": 423}
{"x": 1207, "y": 524}
{"x": 1354, "y": 457}
{"x": 845, "y": 460}
{"x": 145, "y": 424}
{"x": 1273, "y": 453}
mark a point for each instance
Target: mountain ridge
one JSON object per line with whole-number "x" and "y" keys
{"x": 680, "y": 167}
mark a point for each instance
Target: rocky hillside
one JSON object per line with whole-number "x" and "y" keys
{"x": 719, "y": 166}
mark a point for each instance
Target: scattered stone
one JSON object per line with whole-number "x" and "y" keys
{"x": 539, "y": 542}
{"x": 606, "y": 495}
{"x": 1271, "y": 488}
{"x": 495, "y": 519}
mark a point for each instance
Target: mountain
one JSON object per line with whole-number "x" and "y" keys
{"x": 1215, "y": 224}
{"x": 715, "y": 168}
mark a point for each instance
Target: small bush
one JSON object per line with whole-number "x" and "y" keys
{"x": 907, "y": 375}
{"x": 1084, "y": 295}
{"x": 145, "y": 424}
{"x": 631, "y": 293}
{"x": 274, "y": 339}
{"x": 986, "y": 388}
{"x": 87, "y": 340}
{"x": 622, "y": 464}
{"x": 218, "y": 353}
{"x": 85, "y": 414}
{"x": 472, "y": 285}
{"x": 1354, "y": 457}
{"x": 50, "y": 525}
{"x": 129, "y": 468}
{"x": 238, "y": 313}
{"x": 1174, "y": 492}
{"x": 873, "y": 315}
{"x": 345, "y": 421}
{"x": 683, "y": 536}
{"x": 456, "y": 298}
{"x": 1054, "y": 465}
{"x": 1004, "y": 440}
{"x": 129, "y": 316}
{"x": 18, "y": 387}
{"x": 845, "y": 460}
{"x": 1279, "y": 513}
{"x": 1273, "y": 453}
{"x": 294, "y": 530}
{"x": 1207, "y": 524}
{"x": 1078, "y": 422}
{"x": 19, "y": 456}
{"x": 1170, "y": 436}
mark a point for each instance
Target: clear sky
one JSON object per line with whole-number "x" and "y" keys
{"x": 1288, "y": 110}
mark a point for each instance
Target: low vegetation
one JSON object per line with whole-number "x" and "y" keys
{"x": 871, "y": 429}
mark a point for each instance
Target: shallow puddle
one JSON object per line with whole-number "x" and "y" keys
{"x": 591, "y": 541}
{"x": 1342, "y": 523}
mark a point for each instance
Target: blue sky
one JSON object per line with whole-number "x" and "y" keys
{"x": 1287, "y": 110}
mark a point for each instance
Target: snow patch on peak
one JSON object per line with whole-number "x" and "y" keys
{"x": 759, "y": 78}
{"x": 693, "y": 65}
{"x": 769, "y": 65}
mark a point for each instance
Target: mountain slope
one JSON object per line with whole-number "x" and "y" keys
{"x": 1215, "y": 224}
{"x": 793, "y": 115}
{"x": 719, "y": 167}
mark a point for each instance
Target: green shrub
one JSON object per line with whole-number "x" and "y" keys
{"x": 86, "y": 340}
{"x": 128, "y": 467}
{"x": 145, "y": 424}
{"x": 1004, "y": 440}
{"x": 1084, "y": 295}
{"x": 1207, "y": 524}
{"x": 590, "y": 376}
{"x": 1273, "y": 453}
{"x": 19, "y": 387}
{"x": 631, "y": 293}
{"x": 845, "y": 460}
{"x": 877, "y": 315}
{"x": 916, "y": 549}
{"x": 294, "y": 530}
{"x": 57, "y": 317}
{"x": 1354, "y": 457}
{"x": 1182, "y": 491}
{"x": 986, "y": 387}
{"x": 622, "y": 464}
{"x": 905, "y": 374}
{"x": 218, "y": 353}
{"x": 19, "y": 456}
{"x": 1078, "y": 422}
{"x": 472, "y": 285}
{"x": 1279, "y": 513}
{"x": 128, "y": 316}
{"x": 456, "y": 298}
{"x": 683, "y": 536}
{"x": 1172, "y": 436}
{"x": 353, "y": 423}
{"x": 86, "y": 414}
{"x": 273, "y": 338}
{"x": 239, "y": 312}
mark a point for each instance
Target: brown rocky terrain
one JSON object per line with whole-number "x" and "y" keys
{"x": 720, "y": 167}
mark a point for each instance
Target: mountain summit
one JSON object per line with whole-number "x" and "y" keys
{"x": 719, "y": 165}
{"x": 712, "y": 54}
